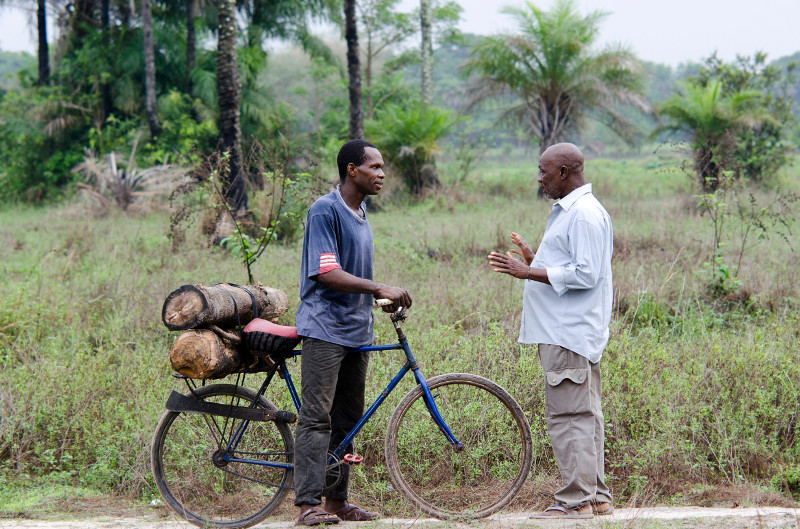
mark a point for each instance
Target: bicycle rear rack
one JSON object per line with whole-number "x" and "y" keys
{"x": 182, "y": 403}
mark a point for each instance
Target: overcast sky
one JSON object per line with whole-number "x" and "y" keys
{"x": 670, "y": 32}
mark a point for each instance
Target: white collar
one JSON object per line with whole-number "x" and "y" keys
{"x": 567, "y": 201}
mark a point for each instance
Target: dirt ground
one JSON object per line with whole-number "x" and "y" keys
{"x": 644, "y": 518}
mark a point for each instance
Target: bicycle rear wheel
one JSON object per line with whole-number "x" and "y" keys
{"x": 189, "y": 462}
{"x": 477, "y": 481}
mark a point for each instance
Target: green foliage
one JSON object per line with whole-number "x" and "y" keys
{"x": 760, "y": 149}
{"x": 409, "y": 136}
{"x": 729, "y": 208}
{"x": 279, "y": 199}
{"x": 470, "y": 149}
{"x": 722, "y": 282}
{"x": 737, "y": 115}
{"x": 788, "y": 481}
{"x": 695, "y": 392}
{"x": 553, "y": 78}
{"x": 712, "y": 117}
{"x": 48, "y": 128}
{"x": 696, "y": 405}
{"x": 183, "y": 137}
{"x": 35, "y": 164}
{"x": 11, "y": 63}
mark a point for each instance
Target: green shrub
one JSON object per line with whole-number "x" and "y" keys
{"x": 788, "y": 481}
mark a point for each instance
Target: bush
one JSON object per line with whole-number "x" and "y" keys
{"x": 408, "y": 136}
{"x": 788, "y": 481}
{"x": 34, "y": 165}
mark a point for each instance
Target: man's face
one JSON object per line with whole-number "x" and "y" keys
{"x": 549, "y": 177}
{"x": 368, "y": 177}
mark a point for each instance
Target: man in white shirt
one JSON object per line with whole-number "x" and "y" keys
{"x": 566, "y": 311}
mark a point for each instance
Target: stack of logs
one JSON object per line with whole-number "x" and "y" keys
{"x": 211, "y": 318}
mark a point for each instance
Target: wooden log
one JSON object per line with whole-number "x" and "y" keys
{"x": 196, "y": 306}
{"x": 202, "y": 354}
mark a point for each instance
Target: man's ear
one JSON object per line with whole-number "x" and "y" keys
{"x": 564, "y": 171}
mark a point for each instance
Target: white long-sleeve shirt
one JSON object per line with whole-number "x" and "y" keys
{"x": 575, "y": 309}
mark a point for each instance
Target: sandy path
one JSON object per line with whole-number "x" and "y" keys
{"x": 661, "y": 517}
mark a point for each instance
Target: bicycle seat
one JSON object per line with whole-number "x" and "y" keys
{"x": 265, "y": 338}
{"x": 259, "y": 325}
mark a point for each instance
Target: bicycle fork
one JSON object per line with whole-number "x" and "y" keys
{"x": 433, "y": 409}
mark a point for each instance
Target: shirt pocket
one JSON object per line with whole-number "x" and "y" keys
{"x": 567, "y": 391}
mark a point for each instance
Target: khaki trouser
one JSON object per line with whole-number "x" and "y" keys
{"x": 575, "y": 424}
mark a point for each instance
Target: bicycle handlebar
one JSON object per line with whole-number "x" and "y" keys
{"x": 397, "y": 316}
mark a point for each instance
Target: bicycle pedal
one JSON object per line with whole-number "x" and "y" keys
{"x": 353, "y": 459}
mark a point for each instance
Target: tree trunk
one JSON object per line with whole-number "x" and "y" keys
{"x": 124, "y": 12}
{"x": 368, "y": 74}
{"x": 82, "y": 18}
{"x": 427, "y": 51}
{"x": 354, "y": 71}
{"x": 255, "y": 31}
{"x": 429, "y": 174}
{"x": 229, "y": 94}
{"x": 707, "y": 170}
{"x": 105, "y": 88}
{"x": 193, "y": 306}
{"x": 44, "y": 56}
{"x": 546, "y": 140}
{"x": 202, "y": 354}
{"x": 149, "y": 70}
{"x": 190, "y": 43}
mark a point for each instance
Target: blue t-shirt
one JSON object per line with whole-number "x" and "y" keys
{"x": 335, "y": 237}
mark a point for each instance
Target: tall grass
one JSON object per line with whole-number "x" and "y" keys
{"x": 697, "y": 392}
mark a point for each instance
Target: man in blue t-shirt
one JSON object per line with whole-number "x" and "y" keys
{"x": 334, "y": 317}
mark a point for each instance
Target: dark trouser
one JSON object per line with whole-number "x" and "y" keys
{"x": 332, "y": 391}
{"x": 575, "y": 424}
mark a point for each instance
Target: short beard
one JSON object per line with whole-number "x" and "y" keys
{"x": 545, "y": 194}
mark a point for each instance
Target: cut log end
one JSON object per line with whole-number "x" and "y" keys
{"x": 201, "y": 354}
{"x": 183, "y": 306}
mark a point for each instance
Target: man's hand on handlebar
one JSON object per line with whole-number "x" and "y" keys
{"x": 399, "y": 297}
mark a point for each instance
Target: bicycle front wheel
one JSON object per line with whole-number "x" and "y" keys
{"x": 477, "y": 481}
{"x": 191, "y": 461}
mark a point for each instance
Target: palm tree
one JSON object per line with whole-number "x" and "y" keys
{"x": 353, "y": 71}
{"x": 554, "y": 77}
{"x": 44, "y": 57}
{"x": 105, "y": 87}
{"x": 409, "y": 136}
{"x": 41, "y": 29}
{"x": 149, "y": 69}
{"x": 712, "y": 118}
{"x": 427, "y": 51}
{"x": 229, "y": 94}
{"x": 191, "y": 13}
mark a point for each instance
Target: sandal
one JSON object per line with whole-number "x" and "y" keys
{"x": 603, "y": 508}
{"x": 559, "y": 510}
{"x": 351, "y": 513}
{"x": 316, "y": 515}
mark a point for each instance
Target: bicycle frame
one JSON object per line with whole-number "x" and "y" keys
{"x": 339, "y": 452}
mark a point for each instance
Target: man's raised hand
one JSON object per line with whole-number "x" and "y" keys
{"x": 524, "y": 251}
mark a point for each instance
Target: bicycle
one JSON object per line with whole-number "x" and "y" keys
{"x": 457, "y": 445}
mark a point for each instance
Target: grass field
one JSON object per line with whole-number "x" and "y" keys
{"x": 701, "y": 376}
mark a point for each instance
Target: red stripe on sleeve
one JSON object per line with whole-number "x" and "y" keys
{"x": 327, "y": 262}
